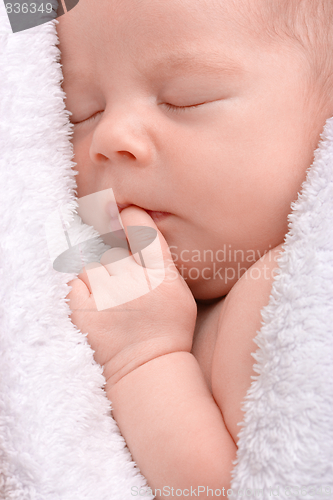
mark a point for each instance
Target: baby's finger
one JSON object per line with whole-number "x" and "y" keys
{"x": 117, "y": 261}
{"x": 83, "y": 276}
{"x": 100, "y": 285}
{"x": 78, "y": 295}
{"x": 111, "y": 291}
{"x": 147, "y": 244}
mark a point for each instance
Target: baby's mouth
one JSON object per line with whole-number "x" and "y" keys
{"x": 157, "y": 216}
{"x": 116, "y": 228}
{"x": 121, "y": 206}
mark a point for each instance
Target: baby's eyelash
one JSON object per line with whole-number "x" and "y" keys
{"x": 89, "y": 119}
{"x": 172, "y": 107}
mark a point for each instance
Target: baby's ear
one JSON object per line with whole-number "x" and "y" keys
{"x": 23, "y": 16}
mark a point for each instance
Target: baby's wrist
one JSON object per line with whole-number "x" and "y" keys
{"x": 135, "y": 355}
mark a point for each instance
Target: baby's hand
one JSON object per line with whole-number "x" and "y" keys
{"x": 158, "y": 322}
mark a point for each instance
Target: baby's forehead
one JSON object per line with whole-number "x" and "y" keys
{"x": 148, "y": 21}
{"x": 150, "y": 45}
{"x": 154, "y": 38}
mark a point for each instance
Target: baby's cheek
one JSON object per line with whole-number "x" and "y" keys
{"x": 87, "y": 179}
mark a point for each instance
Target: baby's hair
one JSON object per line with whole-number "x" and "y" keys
{"x": 306, "y": 23}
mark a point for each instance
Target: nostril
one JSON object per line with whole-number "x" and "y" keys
{"x": 100, "y": 157}
{"x": 127, "y": 154}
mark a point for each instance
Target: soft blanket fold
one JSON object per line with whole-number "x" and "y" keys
{"x": 57, "y": 437}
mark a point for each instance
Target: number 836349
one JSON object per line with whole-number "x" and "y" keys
{"x": 26, "y": 8}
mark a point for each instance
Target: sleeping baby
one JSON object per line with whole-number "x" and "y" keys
{"x": 203, "y": 117}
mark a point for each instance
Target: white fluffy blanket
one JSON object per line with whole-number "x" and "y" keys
{"x": 57, "y": 436}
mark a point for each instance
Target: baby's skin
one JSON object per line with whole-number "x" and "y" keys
{"x": 180, "y": 111}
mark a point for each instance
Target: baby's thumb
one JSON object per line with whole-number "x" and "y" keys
{"x": 147, "y": 244}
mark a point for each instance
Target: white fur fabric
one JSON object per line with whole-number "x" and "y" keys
{"x": 58, "y": 440}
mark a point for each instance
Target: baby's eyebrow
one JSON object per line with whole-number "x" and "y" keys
{"x": 207, "y": 62}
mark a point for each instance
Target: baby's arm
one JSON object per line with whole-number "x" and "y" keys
{"x": 159, "y": 397}
{"x": 240, "y": 320}
{"x": 160, "y": 400}
{"x": 173, "y": 426}
{"x": 171, "y": 422}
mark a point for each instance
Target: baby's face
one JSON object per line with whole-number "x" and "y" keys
{"x": 177, "y": 110}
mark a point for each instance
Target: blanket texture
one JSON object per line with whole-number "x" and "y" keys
{"x": 58, "y": 440}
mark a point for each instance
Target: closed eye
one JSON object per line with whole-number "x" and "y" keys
{"x": 172, "y": 107}
{"x": 92, "y": 117}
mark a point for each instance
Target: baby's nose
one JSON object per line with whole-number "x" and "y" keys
{"x": 127, "y": 154}
{"x": 121, "y": 138}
